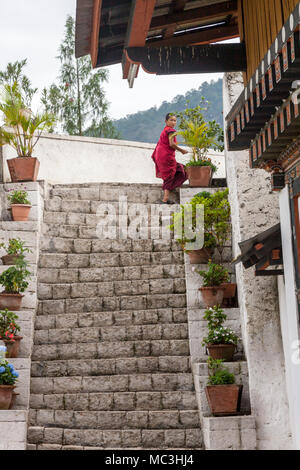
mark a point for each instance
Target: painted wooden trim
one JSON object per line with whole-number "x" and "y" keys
{"x": 95, "y": 31}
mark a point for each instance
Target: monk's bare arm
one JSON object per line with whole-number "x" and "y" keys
{"x": 174, "y": 146}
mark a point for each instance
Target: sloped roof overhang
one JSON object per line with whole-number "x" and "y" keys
{"x": 114, "y": 26}
{"x": 263, "y": 250}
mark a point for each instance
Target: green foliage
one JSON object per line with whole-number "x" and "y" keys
{"x": 19, "y": 196}
{"x": 146, "y": 126}
{"x": 22, "y": 129}
{"x": 14, "y": 74}
{"x": 15, "y": 246}
{"x": 8, "y": 374}
{"x": 219, "y": 375}
{"x": 214, "y": 276}
{"x": 200, "y": 135}
{"x": 14, "y": 278}
{"x": 78, "y": 98}
{"x": 217, "y": 333}
{"x": 8, "y": 325}
{"x": 216, "y": 219}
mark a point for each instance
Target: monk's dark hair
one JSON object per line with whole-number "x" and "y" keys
{"x": 169, "y": 115}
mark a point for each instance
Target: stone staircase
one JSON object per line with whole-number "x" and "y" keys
{"x": 111, "y": 358}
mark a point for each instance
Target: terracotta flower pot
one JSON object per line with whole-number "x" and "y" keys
{"x": 20, "y": 212}
{"x": 12, "y": 347}
{"x": 6, "y": 396}
{"x": 23, "y": 169}
{"x": 199, "y": 176}
{"x": 9, "y": 259}
{"x": 230, "y": 290}
{"x": 200, "y": 256}
{"x": 10, "y": 301}
{"x": 224, "y": 400}
{"x": 13, "y": 400}
{"x": 212, "y": 296}
{"x": 221, "y": 351}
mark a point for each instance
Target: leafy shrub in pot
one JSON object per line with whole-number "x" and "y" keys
{"x": 223, "y": 394}
{"x": 14, "y": 282}
{"x": 221, "y": 342}
{"x": 14, "y": 250}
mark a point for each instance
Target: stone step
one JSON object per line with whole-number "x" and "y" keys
{"x": 94, "y": 260}
{"x": 101, "y": 304}
{"x": 116, "y": 401}
{"x": 111, "y": 349}
{"x": 60, "y": 438}
{"x": 83, "y": 289}
{"x": 162, "y": 419}
{"x": 91, "y": 367}
{"x": 113, "y": 383}
{"x": 111, "y": 333}
{"x": 114, "y": 273}
{"x": 144, "y": 193}
{"x": 110, "y": 192}
{"x": 121, "y": 318}
{"x": 63, "y": 245}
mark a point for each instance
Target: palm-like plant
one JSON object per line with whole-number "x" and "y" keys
{"x": 196, "y": 136}
{"x": 21, "y": 129}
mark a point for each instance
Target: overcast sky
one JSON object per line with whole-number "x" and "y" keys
{"x": 33, "y": 29}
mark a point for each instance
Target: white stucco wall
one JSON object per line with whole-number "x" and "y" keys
{"x": 289, "y": 318}
{"x": 255, "y": 208}
{"x": 68, "y": 160}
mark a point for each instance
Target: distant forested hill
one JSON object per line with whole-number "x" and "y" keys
{"x": 146, "y": 126}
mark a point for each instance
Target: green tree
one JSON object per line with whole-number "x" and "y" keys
{"x": 14, "y": 74}
{"x": 78, "y": 99}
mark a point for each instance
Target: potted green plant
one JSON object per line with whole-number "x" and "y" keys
{"x": 8, "y": 378}
{"x": 8, "y": 333}
{"x": 14, "y": 282}
{"x": 223, "y": 394}
{"x": 200, "y": 136}
{"x": 14, "y": 250}
{"x": 221, "y": 342}
{"x": 212, "y": 291}
{"x": 20, "y": 205}
{"x": 21, "y": 130}
{"x": 197, "y": 256}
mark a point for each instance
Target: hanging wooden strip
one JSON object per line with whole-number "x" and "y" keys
{"x": 259, "y": 152}
{"x": 293, "y": 52}
{"x": 238, "y": 124}
{"x": 232, "y": 132}
{"x": 281, "y": 121}
{"x": 270, "y": 76}
{"x": 251, "y": 104}
{"x": 275, "y": 123}
{"x": 263, "y": 88}
{"x": 285, "y": 57}
{"x": 242, "y": 118}
{"x": 288, "y": 114}
{"x": 264, "y": 141}
{"x": 254, "y": 152}
{"x": 269, "y": 135}
{"x": 247, "y": 111}
{"x": 296, "y": 108}
{"x": 257, "y": 96}
{"x": 277, "y": 69}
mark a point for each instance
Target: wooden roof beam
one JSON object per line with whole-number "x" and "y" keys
{"x": 206, "y": 13}
{"x": 204, "y": 36}
{"x": 138, "y": 27}
{"x": 192, "y": 59}
{"x": 95, "y": 31}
